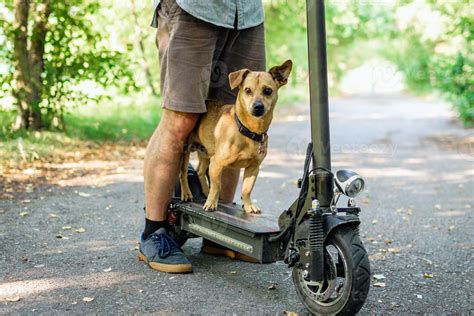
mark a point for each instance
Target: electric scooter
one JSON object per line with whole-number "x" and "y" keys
{"x": 318, "y": 239}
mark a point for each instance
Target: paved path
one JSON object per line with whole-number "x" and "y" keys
{"x": 417, "y": 220}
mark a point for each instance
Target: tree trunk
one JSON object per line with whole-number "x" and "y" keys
{"x": 141, "y": 45}
{"x": 36, "y": 60}
{"x": 20, "y": 54}
{"x": 29, "y": 64}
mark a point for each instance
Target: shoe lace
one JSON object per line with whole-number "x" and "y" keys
{"x": 165, "y": 244}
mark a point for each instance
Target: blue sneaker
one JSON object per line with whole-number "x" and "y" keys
{"x": 162, "y": 253}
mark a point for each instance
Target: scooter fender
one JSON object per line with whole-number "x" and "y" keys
{"x": 330, "y": 222}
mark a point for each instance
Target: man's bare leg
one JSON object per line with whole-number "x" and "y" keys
{"x": 229, "y": 180}
{"x": 162, "y": 159}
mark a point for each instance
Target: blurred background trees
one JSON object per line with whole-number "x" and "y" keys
{"x": 49, "y": 49}
{"x": 432, "y": 45}
{"x": 92, "y": 65}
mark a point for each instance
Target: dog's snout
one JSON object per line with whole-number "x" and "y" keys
{"x": 258, "y": 108}
{"x": 258, "y": 105}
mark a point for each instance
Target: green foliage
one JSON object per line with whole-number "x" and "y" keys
{"x": 453, "y": 69}
{"x": 432, "y": 44}
{"x": 77, "y": 60}
{"x": 130, "y": 28}
{"x": 348, "y": 23}
{"x": 416, "y": 68}
{"x": 454, "y": 78}
{"x": 285, "y": 28}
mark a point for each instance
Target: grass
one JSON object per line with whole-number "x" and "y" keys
{"x": 114, "y": 123}
{"x": 86, "y": 127}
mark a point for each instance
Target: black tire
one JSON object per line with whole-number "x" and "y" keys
{"x": 354, "y": 295}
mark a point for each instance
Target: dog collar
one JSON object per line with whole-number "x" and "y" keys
{"x": 248, "y": 133}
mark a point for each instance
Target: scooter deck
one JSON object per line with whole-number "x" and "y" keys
{"x": 231, "y": 227}
{"x": 234, "y": 215}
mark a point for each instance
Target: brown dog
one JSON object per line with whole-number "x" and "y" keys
{"x": 234, "y": 136}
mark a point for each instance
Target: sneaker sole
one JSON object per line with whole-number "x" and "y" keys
{"x": 169, "y": 268}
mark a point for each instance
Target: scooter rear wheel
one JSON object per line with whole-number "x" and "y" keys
{"x": 347, "y": 279}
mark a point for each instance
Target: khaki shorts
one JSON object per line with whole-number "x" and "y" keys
{"x": 196, "y": 58}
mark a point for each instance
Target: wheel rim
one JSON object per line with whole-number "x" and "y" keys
{"x": 332, "y": 289}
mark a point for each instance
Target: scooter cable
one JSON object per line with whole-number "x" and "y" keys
{"x": 301, "y": 197}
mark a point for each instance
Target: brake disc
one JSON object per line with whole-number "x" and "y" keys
{"x": 320, "y": 291}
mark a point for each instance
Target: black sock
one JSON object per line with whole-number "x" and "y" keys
{"x": 153, "y": 226}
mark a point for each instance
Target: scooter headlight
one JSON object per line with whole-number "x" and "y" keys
{"x": 349, "y": 182}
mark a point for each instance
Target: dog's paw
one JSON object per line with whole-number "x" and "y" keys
{"x": 210, "y": 206}
{"x": 251, "y": 209}
{"x": 186, "y": 195}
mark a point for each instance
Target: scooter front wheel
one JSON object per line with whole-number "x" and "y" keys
{"x": 347, "y": 277}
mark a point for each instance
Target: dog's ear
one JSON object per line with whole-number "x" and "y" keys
{"x": 237, "y": 77}
{"x": 281, "y": 73}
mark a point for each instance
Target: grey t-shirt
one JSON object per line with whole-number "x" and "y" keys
{"x": 225, "y": 13}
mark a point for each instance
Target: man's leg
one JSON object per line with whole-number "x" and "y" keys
{"x": 186, "y": 46}
{"x": 230, "y": 179}
{"x": 162, "y": 160}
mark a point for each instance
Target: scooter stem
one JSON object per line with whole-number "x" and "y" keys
{"x": 318, "y": 88}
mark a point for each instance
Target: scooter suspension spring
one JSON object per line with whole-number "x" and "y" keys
{"x": 316, "y": 233}
{"x": 316, "y": 244}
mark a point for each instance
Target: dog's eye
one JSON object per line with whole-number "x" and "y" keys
{"x": 267, "y": 91}
{"x": 248, "y": 91}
